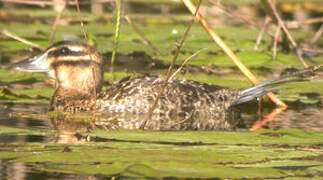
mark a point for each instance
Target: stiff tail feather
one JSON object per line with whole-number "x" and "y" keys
{"x": 269, "y": 86}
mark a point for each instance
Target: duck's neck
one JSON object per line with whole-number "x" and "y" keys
{"x": 75, "y": 88}
{"x": 73, "y": 100}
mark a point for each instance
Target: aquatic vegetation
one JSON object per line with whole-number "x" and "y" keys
{"x": 160, "y": 154}
{"x": 36, "y": 141}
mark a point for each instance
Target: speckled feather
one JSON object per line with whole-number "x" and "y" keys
{"x": 180, "y": 97}
{"x": 198, "y": 104}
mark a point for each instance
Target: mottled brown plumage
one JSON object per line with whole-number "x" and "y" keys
{"x": 77, "y": 69}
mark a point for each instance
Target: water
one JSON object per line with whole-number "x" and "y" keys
{"x": 67, "y": 131}
{"x": 18, "y": 171}
{"x": 35, "y": 117}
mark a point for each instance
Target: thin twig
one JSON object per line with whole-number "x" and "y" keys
{"x": 190, "y": 6}
{"x": 243, "y": 18}
{"x": 117, "y": 33}
{"x": 317, "y": 35}
{"x": 6, "y": 33}
{"x": 146, "y": 41}
{"x": 182, "y": 121}
{"x": 320, "y": 51}
{"x": 275, "y": 42}
{"x": 314, "y": 20}
{"x": 261, "y": 34}
{"x": 183, "y": 64}
{"x": 299, "y": 53}
{"x": 285, "y": 30}
{"x": 58, "y": 17}
{"x": 259, "y": 113}
{"x": 170, "y": 70}
{"x": 82, "y": 24}
{"x": 298, "y": 24}
{"x": 51, "y": 3}
{"x": 281, "y": 22}
{"x": 92, "y": 67}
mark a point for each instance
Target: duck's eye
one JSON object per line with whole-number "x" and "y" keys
{"x": 64, "y": 50}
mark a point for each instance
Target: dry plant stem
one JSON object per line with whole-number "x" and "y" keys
{"x": 299, "y": 52}
{"x": 285, "y": 30}
{"x": 307, "y": 21}
{"x": 92, "y": 65}
{"x": 243, "y": 18}
{"x": 261, "y": 34}
{"x": 82, "y": 24}
{"x": 49, "y": 3}
{"x": 183, "y": 64}
{"x": 229, "y": 53}
{"x": 314, "y": 20}
{"x": 38, "y": 3}
{"x": 233, "y": 13}
{"x": 25, "y": 41}
{"x": 275, "y": 42}
{"x": 147, "y": 42}
{"x": 317, "y": 35}
{"x": 259, "y": 113}
{"x": 169, "y": 72}
{"x": 58, "y": 17}
{"x": 320, "y": 51}
{"x": 117, "y": 32}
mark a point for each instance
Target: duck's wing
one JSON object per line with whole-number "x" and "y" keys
{"x": 269, "y": 86}
{"x": 141, "y": 92}
{"x": 183, "y": 105}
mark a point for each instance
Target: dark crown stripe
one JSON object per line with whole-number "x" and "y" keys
{"x": 58, "y": 53}
{"x": 84, "y": 63}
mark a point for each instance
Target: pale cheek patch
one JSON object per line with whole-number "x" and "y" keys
{"x": 72, "y": 77}
{"x": 74, "y": 58}
{"x": 77, "y": 48}
{"x": 63, "y": 76}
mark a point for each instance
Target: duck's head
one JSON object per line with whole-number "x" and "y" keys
{"x": 75, "y": 66}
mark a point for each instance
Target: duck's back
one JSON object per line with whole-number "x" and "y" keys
{"x": 182, "y": 99}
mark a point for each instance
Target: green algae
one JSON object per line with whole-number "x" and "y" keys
{"x": 270, "y": 154}
{"x": 284, "y": 163}
{"x": 152, "y": 154}
{"x": 295, "y": 92}
{"x": 240, "y": 39}
{"x": 11, "y": 130}
{"x": 142, "y": 170}
{"x": 115, "y": 76}
{"x": 291, "y": 137}
{"x": 12, "y": 76}
{"x": 159, "y": 154}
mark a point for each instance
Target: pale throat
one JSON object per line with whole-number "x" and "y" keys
{"x": 77, "y": 81}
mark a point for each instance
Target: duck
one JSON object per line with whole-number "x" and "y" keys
{"x": 77, "y": 70}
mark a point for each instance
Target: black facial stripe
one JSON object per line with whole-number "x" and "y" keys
{"x": 64, "y": 51}
{"x": 84, "y": 63}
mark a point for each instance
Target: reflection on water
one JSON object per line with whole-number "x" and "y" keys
{"x": 7, "y": 119}
{"x": 309, "y": 118}
{"x": 67, "y": 130}
{"x": 22, "y": 139}
{"x": 21, "y": 171}
{"x": 32, "y": 116}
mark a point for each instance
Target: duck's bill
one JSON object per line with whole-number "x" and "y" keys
{"x": 35, "y": 64}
